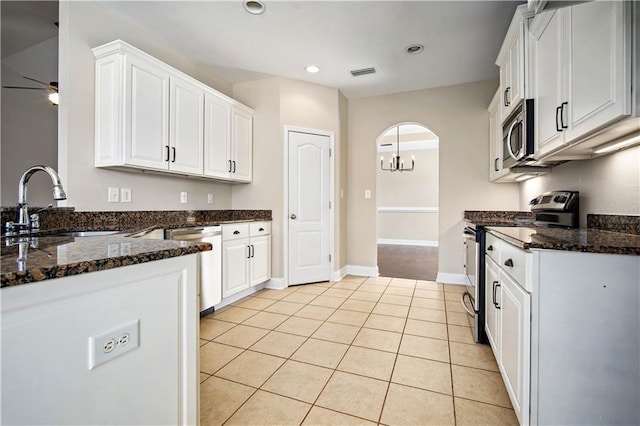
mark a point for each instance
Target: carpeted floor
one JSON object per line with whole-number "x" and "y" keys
{"x": 412, "y": 262}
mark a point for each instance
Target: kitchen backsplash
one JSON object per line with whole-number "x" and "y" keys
{"x": 67, "y": 218}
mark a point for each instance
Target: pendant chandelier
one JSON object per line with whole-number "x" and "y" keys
{"x": 396, "y": 164}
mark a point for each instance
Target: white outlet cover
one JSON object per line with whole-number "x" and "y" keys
{"x": 97, "y": 353}
{"x": 183, "y": 197}
{"x": 125, "y": 195}
{"x": 210, "y": 198}
{"x": 367, "y": 193}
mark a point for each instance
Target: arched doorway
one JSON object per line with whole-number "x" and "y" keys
{"x": 407, "y": 202}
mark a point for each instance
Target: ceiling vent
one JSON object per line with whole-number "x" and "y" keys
{"x": 363, "y": 71}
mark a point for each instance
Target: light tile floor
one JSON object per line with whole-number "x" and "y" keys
{"x": 359, "y": 351}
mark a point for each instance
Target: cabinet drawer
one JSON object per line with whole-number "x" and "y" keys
{"x": 516, "y": 263}
{"x": 259, "y": 228}
{"x": 234, "y": 231}
{"x": 493, "y": 248}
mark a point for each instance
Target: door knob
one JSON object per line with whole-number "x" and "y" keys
{"x": 293, "y": 216}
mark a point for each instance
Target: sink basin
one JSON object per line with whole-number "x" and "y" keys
{"x": 86, "y": 234}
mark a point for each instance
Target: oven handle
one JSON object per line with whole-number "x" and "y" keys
{"x": 464, "y": 305}
{"x": 511, "y": 153}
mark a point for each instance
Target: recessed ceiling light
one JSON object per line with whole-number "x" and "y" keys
{"x": 312, "y": 69}
{"x": 414, "y": 49}
{"x": 255, "y": 7}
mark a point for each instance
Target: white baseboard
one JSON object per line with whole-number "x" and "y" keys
{"x": 338, "y": 275}
{"x": 421, "y": 243}
{"x": 235, "y": 297}
{"x": 276, "y": 284}
{"x": 447, "y": 278}
{"x": 363, "y": 271}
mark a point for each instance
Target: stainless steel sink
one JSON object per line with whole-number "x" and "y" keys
{"x": 86, "y": 234}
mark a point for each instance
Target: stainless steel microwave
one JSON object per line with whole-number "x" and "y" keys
{"x": 517, "y": 135}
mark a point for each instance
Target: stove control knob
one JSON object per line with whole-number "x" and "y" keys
{"x": 560, "y": 199}
{"x": 533, "y": 202}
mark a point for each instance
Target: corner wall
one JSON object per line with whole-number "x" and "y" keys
{"x": 458, "y": 115}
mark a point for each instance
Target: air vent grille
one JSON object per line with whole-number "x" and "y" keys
{"x": 363, "y": 71}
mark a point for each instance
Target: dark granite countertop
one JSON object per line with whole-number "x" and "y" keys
{"x": 50, "y": 257}
{"x": 583, "y": 240}
{"x": 613, "y": 234}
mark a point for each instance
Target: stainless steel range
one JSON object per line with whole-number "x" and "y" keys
{"x": 556, "y": 209}
{"x": 551, "y": 209}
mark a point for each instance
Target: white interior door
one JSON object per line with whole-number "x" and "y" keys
{"x": 309, "y": 208}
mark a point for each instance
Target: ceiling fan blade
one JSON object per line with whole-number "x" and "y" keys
{"x": 37, "y": 81}
{"x": 28, "y": 88}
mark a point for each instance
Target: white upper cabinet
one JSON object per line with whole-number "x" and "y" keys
{"x": 496, "y": 172}
{"x": 511, "y": 60}
{"x": 581, "y": 72}
{"x": 242, "y": 145}
{"x": 151, "y": 116}
{"x": 186, "y": 127}
{"x": 217, "y": 137}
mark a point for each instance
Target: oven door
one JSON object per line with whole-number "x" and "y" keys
{"x": 470, "y": 298}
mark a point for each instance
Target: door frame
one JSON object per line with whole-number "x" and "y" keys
{"x": 285, "y": 210}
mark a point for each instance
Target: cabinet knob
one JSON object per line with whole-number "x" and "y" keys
{"x": 261, "y": 229}
{"x": 508, "y": 263}
{"x": 490, "y": 248}
{"x": 293, "y": 216}
{"x": 236, "y": 232}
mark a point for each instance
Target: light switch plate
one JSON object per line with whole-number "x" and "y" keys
{"x": 210, "y": 198}
{"x": 183, "y": 197}
{"x": 113, "y": 195}
{"x": 367, "y": 193}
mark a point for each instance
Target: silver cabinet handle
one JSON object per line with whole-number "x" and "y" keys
{"x": 293, "y": 216}
{"x": 515, "y": 156}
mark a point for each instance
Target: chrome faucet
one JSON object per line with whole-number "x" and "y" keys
{"x": 23, "y": 223}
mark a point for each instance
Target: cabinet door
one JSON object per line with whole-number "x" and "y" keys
{"x": 492, "y": 312}
{"x": 597, "y": 63}
{"x": 260, "y": 259}
{"x": 235, "y": 266}
{"x": 547, "y": 74}
{"x": 505, "y": 81}
{"x": 242, "y": 145}
{"x": 495, "y": 140}
{"x": 217, "y": 137}
{"x": 515, "y": 344}
{"x": 147, "y": 114}
{"x": 186, "y": 128}
{"x": 516, "y": 71}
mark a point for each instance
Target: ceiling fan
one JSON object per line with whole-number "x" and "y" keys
{"x": 52, "y": 87}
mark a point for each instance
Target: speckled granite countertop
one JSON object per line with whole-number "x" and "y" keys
{"x": 583, "y": 240}
{"x": 49, "y": 256}
{"x": 613, "y": 234}
{"x": 54, "y": 257}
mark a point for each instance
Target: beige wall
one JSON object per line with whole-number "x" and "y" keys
{"x": 29, "y": 137}
{"x": 84, "y": 25}
{"x": 279, "y": 102}
{"x": 409, "y": 189}
{"x": 458, "y": 115}
{"x": 607, "y": 185}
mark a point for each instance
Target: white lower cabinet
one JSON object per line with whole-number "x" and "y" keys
{"x": 515, "y": 344}
{"x": 508, "y": 327}
{"x": 246, "y": 256}
{"x": 50, "y": 329}
{"x": 565, "y": 330}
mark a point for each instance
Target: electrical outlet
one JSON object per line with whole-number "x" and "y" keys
{"x": 114, "y": 195}
{"x": 183, "y": 197}
{"x": 367, "y": 193}
{"x": 210, "y": 198}
{"x": 113, "y": 343}
{"x": 125, "y": 195}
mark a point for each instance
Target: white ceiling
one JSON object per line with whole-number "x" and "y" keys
{"x": 461, "y": 40}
